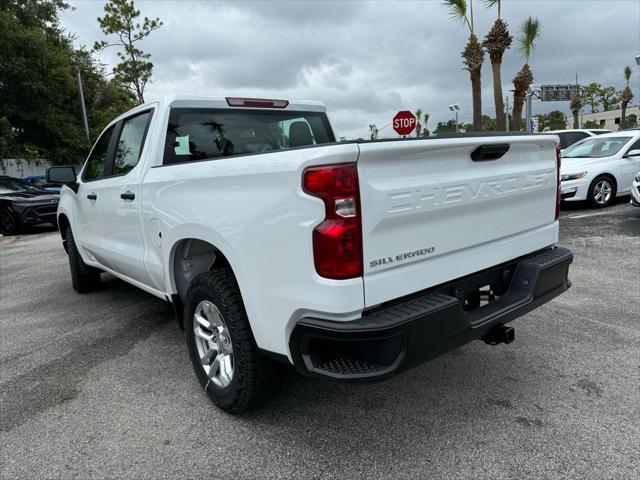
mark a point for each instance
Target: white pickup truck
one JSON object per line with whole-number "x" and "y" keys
{"x": 279, "y": 246}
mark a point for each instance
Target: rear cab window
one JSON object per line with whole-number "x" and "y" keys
{"x": 209, "y": 133}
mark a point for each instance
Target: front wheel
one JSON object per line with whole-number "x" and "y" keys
{"x": 602, "y": 192}
{"x": 8, "y": 222}
{"x": 223, "y": 351}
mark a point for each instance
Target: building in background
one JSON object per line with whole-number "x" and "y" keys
{"x": 609, "y": 119}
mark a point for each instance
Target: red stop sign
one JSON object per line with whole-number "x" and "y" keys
{"x": 404, "y": 122}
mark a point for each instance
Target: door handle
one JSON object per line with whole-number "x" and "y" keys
{"x": 127, "y": 196}
{"x": 489, "y": 152}
{"x": 92, "y": 196}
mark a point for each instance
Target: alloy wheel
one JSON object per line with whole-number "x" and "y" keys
{"x": 602, "y": 192}
{"x": 213, "y": 342}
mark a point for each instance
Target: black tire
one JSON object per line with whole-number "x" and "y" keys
{"x": 256, "y": 379}
{"x": 8, "y": 222}
{"x": 83, "y": 277}
{"x": 592, "y": 197}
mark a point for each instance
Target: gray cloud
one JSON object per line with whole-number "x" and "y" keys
{"x": 366, "y": 60}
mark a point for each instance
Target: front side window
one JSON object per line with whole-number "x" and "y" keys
{"x": 199, "y": 134}
{"x": 94, "y": 168}
{"x": 129, "y": 146}
{"x": 596, "y": 147}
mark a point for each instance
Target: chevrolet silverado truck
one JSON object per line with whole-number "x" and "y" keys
{"x": 279, "y": 246}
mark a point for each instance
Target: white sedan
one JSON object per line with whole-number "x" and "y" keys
{"x": 599, "y": 169}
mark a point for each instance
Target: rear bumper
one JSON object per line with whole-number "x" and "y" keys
{"x": 418, "y": 328}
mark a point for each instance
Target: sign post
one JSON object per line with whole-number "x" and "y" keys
{"x": 404, "y": 122}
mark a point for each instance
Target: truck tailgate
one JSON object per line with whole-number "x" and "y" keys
{"x": 431, "y": 213}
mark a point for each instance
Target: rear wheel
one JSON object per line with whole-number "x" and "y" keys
{"x": 602, "y": 192}
{"x": 83, "y": 277}
{"x": 223, "y": 351}
{"x": 8, "y": 222}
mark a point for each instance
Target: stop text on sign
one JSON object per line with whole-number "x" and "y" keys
{"x": 404, "y": 122}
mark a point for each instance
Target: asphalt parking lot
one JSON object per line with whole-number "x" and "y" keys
{"x": 100, "y": 386}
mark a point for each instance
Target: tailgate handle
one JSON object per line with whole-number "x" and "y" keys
{"x": 489, "y": 152}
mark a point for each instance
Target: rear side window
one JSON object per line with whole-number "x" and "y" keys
{"x": 200, "y": 134}
{"x": 130, "y": 143}
{"x": 94, "y": 168}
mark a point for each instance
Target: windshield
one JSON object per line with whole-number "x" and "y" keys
{"x": 10, "y": 185}
{"x": 596, "y": 147}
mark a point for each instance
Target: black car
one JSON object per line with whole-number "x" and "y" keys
{"x": 22, "y": 204}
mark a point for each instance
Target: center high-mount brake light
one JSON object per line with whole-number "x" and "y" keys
{"x": 558, "y": 191}
{"x": 256, "y": 102}
{"x": 337, "y": 241}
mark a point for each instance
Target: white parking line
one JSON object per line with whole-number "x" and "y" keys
{"x": 583, "y": 215}
{"x": 606, "y": 211}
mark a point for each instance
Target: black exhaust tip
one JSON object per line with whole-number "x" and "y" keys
{"x": 500, "y": 334}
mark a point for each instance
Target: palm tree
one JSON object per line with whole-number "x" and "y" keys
{"x": 576, "y": 106}
{"x": 496, "y": 43}
{"x": 528, "y": 35}
{"x": 625, "y": 97}
{"x": 425, "y": 131}
{"x": 418, "y": 124}
{"x": 472, "y": 55}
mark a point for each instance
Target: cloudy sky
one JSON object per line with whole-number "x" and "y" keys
{"x": 367, "y": 59}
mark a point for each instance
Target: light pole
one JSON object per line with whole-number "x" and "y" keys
{"x": 638, "y": 92}
{"x": 455, "y": 108}
{"x": 506, "y": 113}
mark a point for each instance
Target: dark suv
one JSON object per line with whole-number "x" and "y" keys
{"x": 23, "y": 204}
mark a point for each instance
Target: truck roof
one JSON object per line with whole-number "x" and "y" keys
{"x": 197, "y": 101}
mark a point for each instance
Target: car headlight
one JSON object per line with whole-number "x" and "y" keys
{"x": 572, "y": 176}
{"x": 637, "y": 179}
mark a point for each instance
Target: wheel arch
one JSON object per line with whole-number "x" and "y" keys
{"x": 63, "y": 224}
{"x": 190, "y": 257}
{"x": 610, "y": 176}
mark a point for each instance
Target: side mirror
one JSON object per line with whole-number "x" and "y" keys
{"x": 61, "y": 175}
{"x": 633, "y": 153}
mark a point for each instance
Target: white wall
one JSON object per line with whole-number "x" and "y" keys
{"x": 15, "y": 167}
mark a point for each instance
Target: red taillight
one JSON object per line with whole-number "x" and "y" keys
{"x": 256, "y": 102}
{"x": 558, "y": 192}
{"x": 337, "y": 241}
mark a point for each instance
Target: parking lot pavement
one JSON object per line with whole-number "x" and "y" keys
{"x": 100, "y": 386}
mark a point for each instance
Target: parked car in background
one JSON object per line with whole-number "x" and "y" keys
{"x": 569, "y": 137}
{"x": 600, "y": 169}
{"x": 635, "y": 191}
{"x": 24, "y": 204}
{"x": 40, "y": 181}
